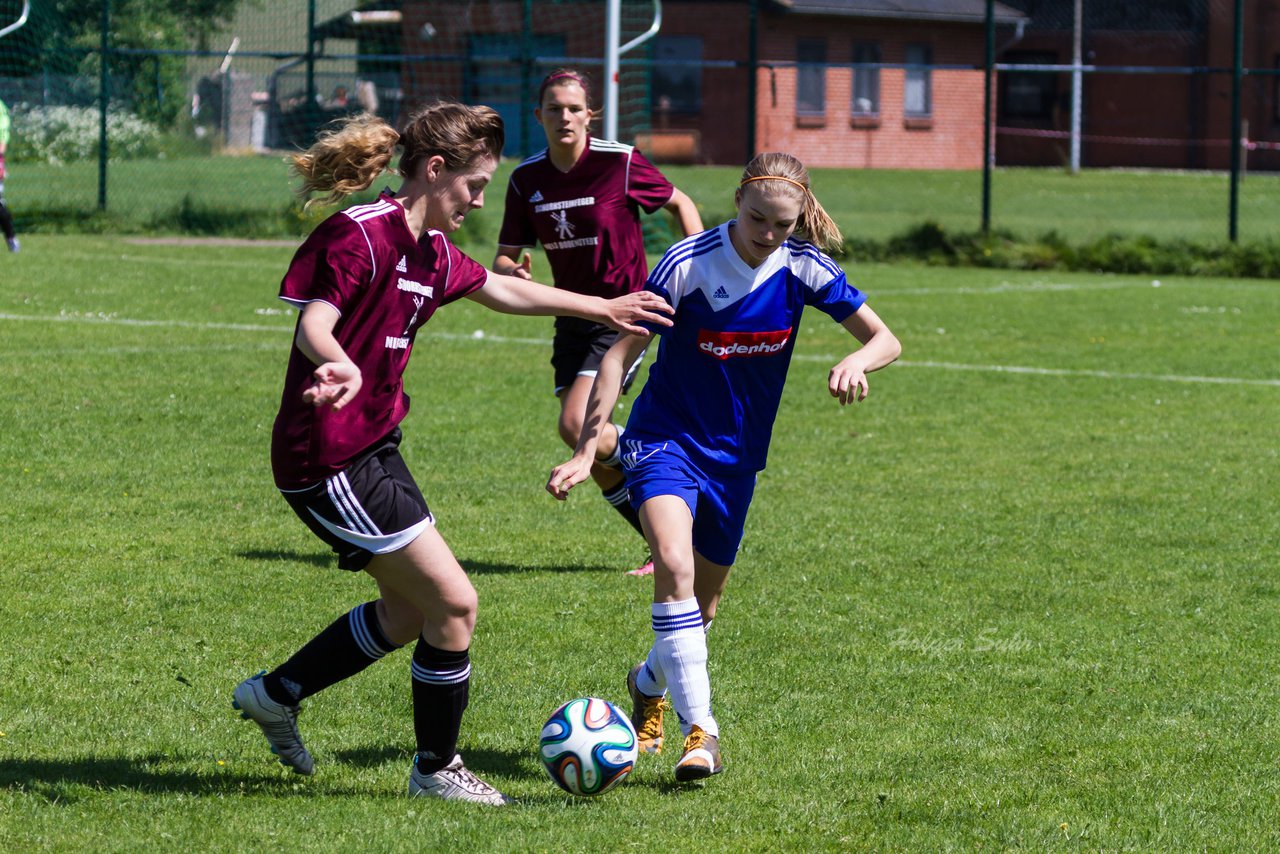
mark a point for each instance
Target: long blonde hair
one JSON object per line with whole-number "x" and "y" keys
{"x": 350, "y": 156}
{"x": 814, "y": 224}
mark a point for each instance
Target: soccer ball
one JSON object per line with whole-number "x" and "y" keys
{"x": 588, "y": 746}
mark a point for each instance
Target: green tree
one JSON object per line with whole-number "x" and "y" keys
{"x": 65, "y": 37}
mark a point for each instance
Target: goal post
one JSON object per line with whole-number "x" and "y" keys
{"x": 613, "y": 50}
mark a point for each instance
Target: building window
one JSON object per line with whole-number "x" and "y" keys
{"x": 917, "y": 97}
{"x": 677, "y": 75}
{"x": 811, "y": 78}
{"x": 866, "y": 81}
{"x": 1028, "y": 94}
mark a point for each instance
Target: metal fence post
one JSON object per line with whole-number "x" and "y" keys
{"x": 1237, "y": 72}
{"x": 104, "y": 80}
{"x": 753, "y": 56}
{"x": 988, "y": 67}
{"x": 311, "y": 56}
{"x": 526, "y": 76}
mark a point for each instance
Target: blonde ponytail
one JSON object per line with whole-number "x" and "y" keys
{"x": 346, "y": 159}
{"x": 350, "y": 157}
{"x": 791, "y": 178}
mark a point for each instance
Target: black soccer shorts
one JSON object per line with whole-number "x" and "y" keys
{"x": 577, "y": 349}
{"x": 371, "y": 507}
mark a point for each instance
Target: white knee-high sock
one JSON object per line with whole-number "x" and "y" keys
{"x": 680, "y": 651}
{"x": 651, "y": 681}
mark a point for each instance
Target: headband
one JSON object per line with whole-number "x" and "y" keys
{"x": 774, "y": 178}
{"x": 563, "y": 76}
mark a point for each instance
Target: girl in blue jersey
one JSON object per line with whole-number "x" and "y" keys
{"x": 581, "y": 197}
{"x": 700, "y": 429}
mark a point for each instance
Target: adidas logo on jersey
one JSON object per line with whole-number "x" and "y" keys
{"x": 402, "y": 267}
{"x": 721, "y": 293}
{"x": 536, "y": 197}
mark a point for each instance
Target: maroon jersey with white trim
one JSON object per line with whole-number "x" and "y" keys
{"x": 587, "y": 219}
{"x": 364, "y": 262}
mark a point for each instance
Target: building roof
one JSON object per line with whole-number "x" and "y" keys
{"x": 962, "y": 11}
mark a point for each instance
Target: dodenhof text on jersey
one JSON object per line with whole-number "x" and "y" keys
{"x": 727, "y": 345}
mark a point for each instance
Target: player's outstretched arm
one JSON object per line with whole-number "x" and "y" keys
{"x": 600, "y": 403}
{"x": 514, "y": 261}
{"x": 625, "y": 313}
{"x": 848, "y": 379}
{"x": 686, "y": 213}
{"x": 337, "y": 379}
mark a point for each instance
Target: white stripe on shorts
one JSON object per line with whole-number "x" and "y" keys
{"x": 378, "y": 543}
{"x": 348, "y": 506}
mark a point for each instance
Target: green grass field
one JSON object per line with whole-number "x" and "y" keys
{"x": 872, "y": 204}
{"x": 1022, "y": 598}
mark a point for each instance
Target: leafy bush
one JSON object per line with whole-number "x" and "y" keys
{"x": 1114, "y": 253}
{"x": 64, "y": 134}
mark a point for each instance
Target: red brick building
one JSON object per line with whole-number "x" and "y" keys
{"x": 696, "y": 92}
{"x": 884, "y": 84}
{"x": 920, "y": 107}
{"x": 1173, "y": 112}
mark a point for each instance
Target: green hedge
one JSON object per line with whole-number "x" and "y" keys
{"x": 1113, "y": 253}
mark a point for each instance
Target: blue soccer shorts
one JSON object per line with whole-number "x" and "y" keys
{"x": 718, "y": 504}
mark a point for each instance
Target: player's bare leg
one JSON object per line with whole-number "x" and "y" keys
{"x": 610, "y": 479}
{"x": 426, "y": 577}
{"x": 709, "y": 580}
{"x": 573, "y": 411}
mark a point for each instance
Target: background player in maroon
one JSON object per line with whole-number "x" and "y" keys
{"x": 581, "y": 199}
{"x": 365, "y": 281}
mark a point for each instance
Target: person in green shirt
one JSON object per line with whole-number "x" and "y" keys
{"x": 6, "y": 218}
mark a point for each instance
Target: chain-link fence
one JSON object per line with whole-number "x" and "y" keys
{"x": 1104, "y": 115}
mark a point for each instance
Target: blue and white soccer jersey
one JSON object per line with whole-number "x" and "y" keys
{"x": 717, "y": 381}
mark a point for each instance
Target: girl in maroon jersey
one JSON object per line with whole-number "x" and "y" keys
{"x": 365, "y": 281}
{"x": 581, "y": 198}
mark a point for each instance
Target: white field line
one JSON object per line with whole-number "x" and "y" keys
{"x": 1055, "y": 287}
{"x": 542, "y": 342}
{"x": 1061, "y": 372}
{"x": 1010, "y": 288}
{"x": 110, "y": 319}
{"x": 169, "y": 260}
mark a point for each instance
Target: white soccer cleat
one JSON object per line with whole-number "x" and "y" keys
{"x": 454, "y": 782}
{"x": 701, "y": 756}
{"x": 279, "y": 723}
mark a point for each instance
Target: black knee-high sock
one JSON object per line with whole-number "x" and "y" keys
{"x": 350, "y": 644}
{"x": 620, "y": 499}
{"x": 6, "y": 221}
{"x": 441, "y": 685}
